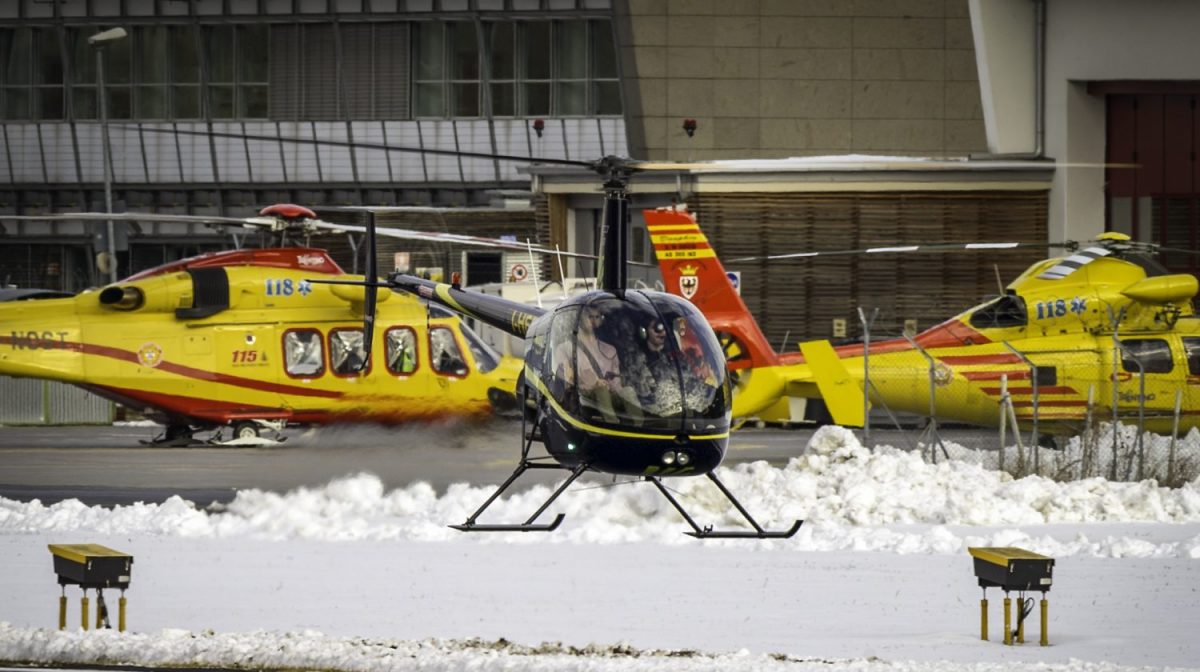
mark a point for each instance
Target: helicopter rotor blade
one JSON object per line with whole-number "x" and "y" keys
{"x": 904, "y": 249}
{"x": 440, "y": 237}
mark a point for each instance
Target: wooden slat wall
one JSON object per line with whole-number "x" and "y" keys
{"x": 799, "y": 299}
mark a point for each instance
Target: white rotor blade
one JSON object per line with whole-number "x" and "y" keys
{"x": 898, "y": 249}
{"x": 439, "y": 237}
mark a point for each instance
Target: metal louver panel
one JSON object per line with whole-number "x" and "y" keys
{"x": 799, "y": 298}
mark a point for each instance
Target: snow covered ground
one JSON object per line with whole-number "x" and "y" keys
{"x": 353, "y": 577}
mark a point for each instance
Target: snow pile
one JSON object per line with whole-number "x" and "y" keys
{"x": 845, "y": 493}
{"x": 316, "y": 651}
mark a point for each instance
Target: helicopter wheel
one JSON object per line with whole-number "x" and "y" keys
{"x": 245, "y": 429}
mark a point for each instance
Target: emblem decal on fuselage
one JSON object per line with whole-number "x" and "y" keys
{"x": 150, "y": 355}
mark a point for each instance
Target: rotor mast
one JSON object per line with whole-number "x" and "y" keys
{"x": 614, "y": 229}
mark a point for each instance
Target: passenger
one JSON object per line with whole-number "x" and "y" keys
{"x": 598, "y": 365}
{"x": 693, "y": 354}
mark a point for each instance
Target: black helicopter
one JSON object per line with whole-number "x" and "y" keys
{"x": 611, "y": 383}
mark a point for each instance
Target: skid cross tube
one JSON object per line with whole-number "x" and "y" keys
{"x": 708, "y": 532}
{"x": 527, "y": 526}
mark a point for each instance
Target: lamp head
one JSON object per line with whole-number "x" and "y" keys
{"x": 99, "y": 39}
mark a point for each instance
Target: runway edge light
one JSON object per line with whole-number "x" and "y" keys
{"x": 91, "y": 566}
{"x": 1010, "y": 568}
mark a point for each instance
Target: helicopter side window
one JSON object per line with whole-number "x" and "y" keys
{"x": 444, "y": 354}
{"x": 1154, "y": 354}
{"x": 346, "y": 352}
{"x": 302, "y": 353}
{"x": 486, "y": 358}
{"x": 1191, "y": 347}
{"x": 400, "y": 344}
{"x": 1005, "y": 311}
{"x": 559, "y": 373}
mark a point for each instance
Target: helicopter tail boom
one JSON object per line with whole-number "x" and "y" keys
{"x": 508, "y": 316}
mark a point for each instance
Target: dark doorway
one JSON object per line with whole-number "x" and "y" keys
{"x": 484, "y": 267}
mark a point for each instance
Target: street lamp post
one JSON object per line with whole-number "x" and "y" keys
{"x": 99, "y": 41}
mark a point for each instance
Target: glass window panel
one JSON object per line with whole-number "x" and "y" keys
{"x": 221, "y": 101}
{"x": 430, "y": 100}
{"x": 1154, "y": 355}
{"x": 302, "y": 353}
{"x": 253, "y": 103}
{"x": 152, "y": 102}
{"x": 153, "y": 49}
{"x": 16, "y": 103}
{"x": 346, "y": 351}
{"x": 17, "y": 52}
{"x": 219, "y": 49}
{"x": 120, "y": 102}
{"x": 253, "y": 54}
{"x": 444, "y": 353}
{"x": 607, "y": 98}
{"x": 83, "y": 57}
{"x": 535, "y": 56}
{"x": 465, "y": 100}
{"x": 570, "y": 98}
{"x": 464, "y": 50}
{"x": 117, "y": 62}
{"x": 430, "y": 50}
{"x": 50, "y": 102}
{"x": 1191, "y": 347}
{"x": 504, "y": 99}
{"x": 453, "y": 5}
{"x": 83, "y": 102}
{"x": 604, "y": 54}
{"x": 503, "y": 56}
{"x": 185, "y": 56}
{"x": 401, "y": 346}
{"x": 570, "y": 49}
{"x": 185, "y": 103}
{"x": 536, "y": 100}
{"x": 48, "y": 65}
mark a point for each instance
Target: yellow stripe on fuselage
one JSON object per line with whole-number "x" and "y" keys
{"x": 579, "y": 424}
{"x": 703, "y": 253}
{"x": 672, "y": 238}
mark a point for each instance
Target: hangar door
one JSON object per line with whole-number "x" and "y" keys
{"x": 1155, "y": 126}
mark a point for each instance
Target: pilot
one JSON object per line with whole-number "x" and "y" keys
{"x": 598, "y": 364}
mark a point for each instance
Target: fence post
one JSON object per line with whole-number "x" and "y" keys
{"x": 1003, "y": 415}
{"x": 1115, "y": 319}
{"x": 932, "y": 428}
{"x": 1089, "y": 435}
{"x": 1174, "y": 438}
{"x": 1033, "y": 382}
{"x": 866, "y": 326}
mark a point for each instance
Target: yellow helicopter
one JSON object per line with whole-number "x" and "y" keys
{"x": 1070, "y": 334}
{"x": 250, "y": 340}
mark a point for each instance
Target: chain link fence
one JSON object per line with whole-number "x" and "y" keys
{"x": 1119, "y": 412}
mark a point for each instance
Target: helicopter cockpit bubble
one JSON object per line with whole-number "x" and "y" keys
{"x": 615, "y": 361}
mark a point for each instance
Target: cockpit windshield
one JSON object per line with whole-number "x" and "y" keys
{"x": 641, "y": 362}
{"x": 1004, "y": 311}
{"x": 485, "y": 357}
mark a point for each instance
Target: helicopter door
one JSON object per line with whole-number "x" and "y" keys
{"x": 1154, "y": 357}
{"x": 248, "y": 351}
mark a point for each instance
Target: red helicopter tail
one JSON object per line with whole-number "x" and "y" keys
{"x": 690, "y": 268}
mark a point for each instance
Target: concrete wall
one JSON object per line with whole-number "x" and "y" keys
{"x": 1086, "y": 41}
{"x": 777, "y": 78}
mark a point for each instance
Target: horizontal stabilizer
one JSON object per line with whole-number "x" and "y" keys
{"x": 842, "y": 393}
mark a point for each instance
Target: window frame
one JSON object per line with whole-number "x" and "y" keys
{"x": 284, "y": 351}
{"x": 416, "y": 351}
{"x": 1126, "y": 352}
{"x": 462, "y": 352}
{"x": 329, "y": 349}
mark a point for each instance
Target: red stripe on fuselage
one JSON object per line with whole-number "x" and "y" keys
{"x": 994, "y": 375}
{"x": 972, "y": 360}
{"x": 1059, "y": 389}
{"x": 188, "y": 371}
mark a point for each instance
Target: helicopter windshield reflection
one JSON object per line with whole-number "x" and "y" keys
{"x": 636, "y": 362}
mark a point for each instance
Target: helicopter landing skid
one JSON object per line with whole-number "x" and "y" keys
{"x": 528, "y": 525}
{"x": 709, "y": 533}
